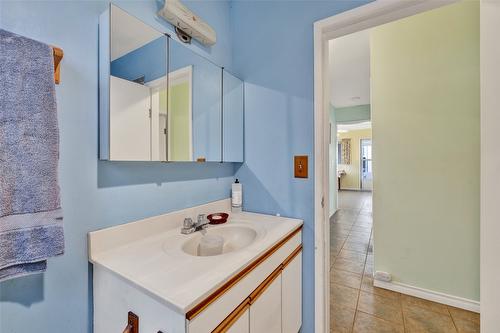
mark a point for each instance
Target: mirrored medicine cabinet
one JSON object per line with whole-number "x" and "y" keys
{"x": 160, "y": 101}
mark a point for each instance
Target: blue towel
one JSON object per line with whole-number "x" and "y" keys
{"x": 31, "y": 228}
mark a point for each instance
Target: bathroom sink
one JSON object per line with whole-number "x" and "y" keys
{"x": 236, "y": 237}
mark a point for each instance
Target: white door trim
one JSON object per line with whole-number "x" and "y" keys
{"x": 490, "y": 164}
{"x": 357, "y": 19}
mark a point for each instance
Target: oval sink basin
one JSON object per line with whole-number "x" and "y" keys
{"x": 236, "y": 237}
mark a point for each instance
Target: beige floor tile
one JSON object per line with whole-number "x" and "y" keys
{"x": 362, "y": 239}
{"x": 367, "y": 212}
{"x": 381, "y": 307}
{"x": 342, "y": 228}
{"x": 364, "y": 221}
{"x": 419, "y": 320}
{"x": 457, "y": 313}
{"x": 341, "y": 318}
{"x": 365, "y": 323}
{"x": 350, "y": 266}
{"x": 364, "y": 225}
{"x": 344, "y": 220}
{"x": 342, "y": 223}
{"x": 352, "y": 256}
{"x": 335, "y": 241}
{"x": 362, "y": 234}
{"x": 332, "y": 261}
{"x": 342, "y": 296}
{"x": 345, "y": 278}
{"x": 366, "y": 229}
{"x": 351, "y": 213}
{"x": 466, "y": 326}
{"x": 352, "y": 200}
{"x": 339, "y": 233}
{"x": 367, "y": 285}
{"x": 410, "y": 301}
{"x": 356, "y": 246}
{"x": 364, "y": 218}
{"x": 340, "y": 330}
{"x": 364, "y": 242}
{"x": 368, "y": 270}
{"x": 335, "y": 250}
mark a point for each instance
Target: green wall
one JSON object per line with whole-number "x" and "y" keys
{"x": 179, "y": 121}
{"x": 425, "y": 114}
{"x": 351, "y": 114}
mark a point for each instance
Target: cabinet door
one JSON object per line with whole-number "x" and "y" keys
{"x": 265, "y": 311}
{"x": 291, "y": 279}
{"x": 242, "y": 325}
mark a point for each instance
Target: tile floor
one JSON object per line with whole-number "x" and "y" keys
{"x": 358, "y": 306}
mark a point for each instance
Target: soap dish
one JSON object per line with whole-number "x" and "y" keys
{"x": 218, "y": 218}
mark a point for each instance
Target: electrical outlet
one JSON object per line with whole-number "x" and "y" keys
{"x": 300, "y": 166}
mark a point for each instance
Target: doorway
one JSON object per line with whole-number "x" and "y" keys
{"x": 366, "y": 168}
{"x": 356, "y": 20}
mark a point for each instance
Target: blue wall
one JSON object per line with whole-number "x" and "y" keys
{"x": 273, "y": 48}
{"x": 148, "y": 61}
{"x": 97, "y": 194}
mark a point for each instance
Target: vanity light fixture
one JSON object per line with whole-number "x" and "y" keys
{"x": 187, "y": 24}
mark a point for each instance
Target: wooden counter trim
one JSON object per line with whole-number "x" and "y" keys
{"x": 233, "y": 317}
{"x": 292, "y": 256}
{"x": 264, "y": 285}
{"x": 197, "y": 309}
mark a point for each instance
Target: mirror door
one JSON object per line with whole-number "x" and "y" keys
{"x": 195, "y": 94}
{"x": 138, "y": 56}
{"x": 232, "y": 118}
{"x": 160, "y": 101}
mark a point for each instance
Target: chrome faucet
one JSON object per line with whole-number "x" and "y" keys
{"x": 189, "y": 226}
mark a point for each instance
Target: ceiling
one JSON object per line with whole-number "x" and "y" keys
{"x": 129, "y": 33}
{"x": 350, "y": 69}
{"x": 342, "y": 128}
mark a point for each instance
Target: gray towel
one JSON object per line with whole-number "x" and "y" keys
{"x": 30, "y": 211}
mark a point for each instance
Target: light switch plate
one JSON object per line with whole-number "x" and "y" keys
{"x": 300, "y": 166}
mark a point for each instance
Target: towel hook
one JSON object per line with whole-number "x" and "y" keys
{"x": 58, "y": 55}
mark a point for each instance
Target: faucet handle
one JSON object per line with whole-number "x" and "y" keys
{"x": 188, "y": 226}
{"x": 202, "y": 220}
{"x": 188, "y": 223}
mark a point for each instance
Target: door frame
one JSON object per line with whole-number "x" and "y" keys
{"x": 364, "y": 17}
{"x": 490, "y": 164}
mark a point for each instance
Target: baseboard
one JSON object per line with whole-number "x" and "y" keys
{"x": 430, "y": 295}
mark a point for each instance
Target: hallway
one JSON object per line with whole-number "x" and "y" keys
{"x": 358, "y": 306}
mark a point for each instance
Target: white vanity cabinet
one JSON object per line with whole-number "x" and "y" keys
{"x": 250, "y": 291}
{"x": 260, "y": 291}
{"x": 275, "y": 306}
{"x": 241, "y": 325}
{"x": 265, "y": 311}
{"x": 291, "y": 297}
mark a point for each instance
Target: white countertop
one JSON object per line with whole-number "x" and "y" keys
{"x": 156, "y": 264}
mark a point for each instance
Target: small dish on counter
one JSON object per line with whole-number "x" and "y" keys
{"x": 218, "y": 218}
